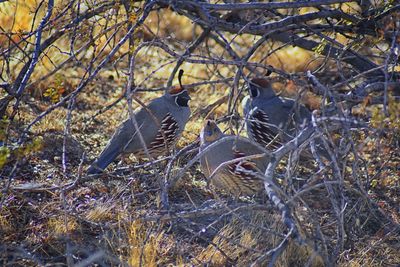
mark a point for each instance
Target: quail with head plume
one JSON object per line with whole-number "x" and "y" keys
{"x": 241, "y": 177}
{"x": 272, "y": 120}
{"x": 160, "y": 123}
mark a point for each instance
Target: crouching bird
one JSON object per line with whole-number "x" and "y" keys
{"x": 160, "y": 123}
{"x": 235, "y": 164}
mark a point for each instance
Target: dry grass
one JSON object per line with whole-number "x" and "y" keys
{"x": 247, "y": 236}
{"x": 144, "y": 245}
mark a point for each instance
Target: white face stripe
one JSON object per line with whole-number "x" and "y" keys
{"x": 202, "y": 137}
{"x": 251, "y": 88}
{"x": 258, "y": 92}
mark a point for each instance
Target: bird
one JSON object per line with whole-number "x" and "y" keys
{"x": 272, "y": 120}
{"x": 161, "y": 124}
{"x": 241, "y": 177}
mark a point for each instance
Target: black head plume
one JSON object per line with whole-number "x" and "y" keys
{"x": 180, "y": 74}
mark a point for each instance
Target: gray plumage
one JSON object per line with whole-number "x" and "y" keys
{"x": 272, "y": 120}
{"x": 240, "y": 178}
{"x": 164, "y": 117}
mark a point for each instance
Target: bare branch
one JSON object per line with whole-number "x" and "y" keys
{"x": 272, "y": 5}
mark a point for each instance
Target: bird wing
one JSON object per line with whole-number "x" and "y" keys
{"x": 262, "y": 130}
{"x": 117, "y": 145}
{"x": 244, "y": 174}
{"x": 125, "y": 138}
{"x": 246, "y": 147}
{"x": 168, "y": 133}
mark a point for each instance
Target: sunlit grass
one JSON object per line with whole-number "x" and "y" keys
{"x": 143, "y": 245}
{"x": 58, "y": 226}
{"x": 100, "y": 213}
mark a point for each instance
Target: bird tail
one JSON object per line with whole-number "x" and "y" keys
{"x": 106, "y": 157}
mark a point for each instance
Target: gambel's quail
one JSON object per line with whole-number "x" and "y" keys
{"x": 241, "y": 177}
{"x": 160, "y": 123}
{"x": 272, "y": 120}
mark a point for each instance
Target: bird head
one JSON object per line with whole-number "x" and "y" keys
{"x": 210, "y": 132}
{"x": 260, "y": 87}
{"x": 179, "y": 94}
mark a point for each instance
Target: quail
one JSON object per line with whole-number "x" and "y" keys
{"x": 161, "y": 124}
{"x": 272, "y": 120}
{"x": 242, "y": 177}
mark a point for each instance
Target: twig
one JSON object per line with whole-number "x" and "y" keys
{"x": 188, "y": 51}
{"x": 147, "y": 9}
{"x": 35, "y": 57}
{"x": 271, "y": 5}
